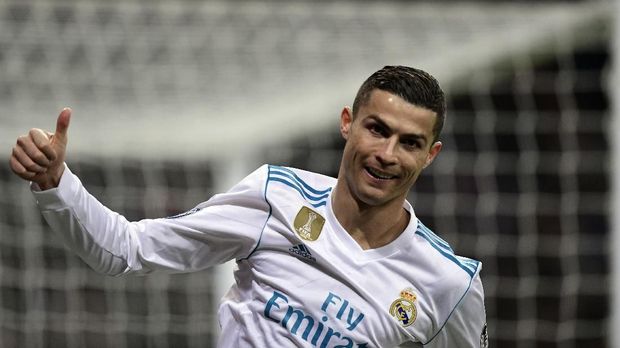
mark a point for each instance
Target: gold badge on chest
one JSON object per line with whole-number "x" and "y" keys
{"x": 308, "y": 224}
{"x": 404, "y": 309}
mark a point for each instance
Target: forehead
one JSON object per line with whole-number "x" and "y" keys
{"x": 397, "y": 113}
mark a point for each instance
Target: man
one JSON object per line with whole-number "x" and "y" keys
{"x": 322, "y": 262}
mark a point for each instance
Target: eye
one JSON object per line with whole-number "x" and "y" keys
{"x": 376, "y": 129}
{"x": 411, "y": 143}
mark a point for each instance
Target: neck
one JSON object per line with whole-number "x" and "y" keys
{"x": 371, "y": 226}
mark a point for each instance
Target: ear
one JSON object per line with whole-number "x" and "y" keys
{"x": 432, "y": 153}
{"x": 346, "y": 118}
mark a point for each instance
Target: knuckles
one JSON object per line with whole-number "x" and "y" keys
{"x": 35, "y": 132}
{"x": 33, "y": 154}
{"x": 17, "y": 169}
{"x": 22, "y": 140}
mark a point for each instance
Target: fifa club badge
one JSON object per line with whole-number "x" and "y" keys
{"x": 308, "y": 224}
{"x": 403, "y": 309}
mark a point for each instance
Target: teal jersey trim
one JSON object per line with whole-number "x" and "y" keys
{"x": 468, "y": 265}
{"x": 268, "y": 216}
{"x": 313, "y": 196}
{"x": 452, "y": 311}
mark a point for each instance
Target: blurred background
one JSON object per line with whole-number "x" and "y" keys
{"x": 174, "y": 101}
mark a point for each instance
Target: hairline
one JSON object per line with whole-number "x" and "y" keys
{"x": 365, "y": 98}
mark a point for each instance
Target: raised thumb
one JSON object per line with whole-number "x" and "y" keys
{"x": 62, "y": 125}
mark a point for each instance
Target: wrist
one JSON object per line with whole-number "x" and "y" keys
{"x": 47, "y": 185}
{"x": 52, "y": 180}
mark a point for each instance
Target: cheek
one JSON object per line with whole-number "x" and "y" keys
{"x": 416, "y": 166}
{"x": 354, "y": 146}
{"x": 348, "y": 155}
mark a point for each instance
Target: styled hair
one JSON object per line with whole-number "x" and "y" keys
{"x": 415, "y": 86}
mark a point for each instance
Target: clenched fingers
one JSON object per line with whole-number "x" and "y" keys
{"x": 19, "y": 169}
{"x": 43, "y": 142}
{"x": 36, "y": 145}
{"x": 26, "y": 163}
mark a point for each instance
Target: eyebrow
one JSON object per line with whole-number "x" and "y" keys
{"x": 413, "y": 136}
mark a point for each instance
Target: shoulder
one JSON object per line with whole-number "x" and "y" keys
{"x": 309, "y": 180}
{"x": 442, "y": 252}
{"x": 305, "y": 177}
{"x": 451, "y": 277}
{"x": 312, "y": 187}
{"x": 454, "y": 288}
{"x": 283, "y": 185}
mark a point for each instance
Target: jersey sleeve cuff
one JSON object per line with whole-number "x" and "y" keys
{"x": 56, "y": 198}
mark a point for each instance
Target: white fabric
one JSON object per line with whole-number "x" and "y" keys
{"x": 289, "y": 291}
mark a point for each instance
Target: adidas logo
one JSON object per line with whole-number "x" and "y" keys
{"x": 302, "y": 250}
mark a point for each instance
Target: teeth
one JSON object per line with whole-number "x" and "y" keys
{"x": 379, "y": 174}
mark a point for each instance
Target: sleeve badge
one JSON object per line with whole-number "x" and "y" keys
{"x": 484, "y": 338}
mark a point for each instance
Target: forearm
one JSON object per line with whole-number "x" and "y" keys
{"x": 202, "y": 238}
{"x": 99, "y": 236}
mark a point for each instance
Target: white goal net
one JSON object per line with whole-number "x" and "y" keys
{"x": 176, "y": 100}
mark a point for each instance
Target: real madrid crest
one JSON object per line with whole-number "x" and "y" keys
{"x": 404, "y": 309}
{"x": 308, "y": 224}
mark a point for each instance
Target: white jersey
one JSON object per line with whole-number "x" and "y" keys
{"x": 301, "y": 279}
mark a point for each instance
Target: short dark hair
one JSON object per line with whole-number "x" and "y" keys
{"x": 413, "y": 85}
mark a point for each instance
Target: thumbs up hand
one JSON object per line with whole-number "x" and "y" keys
{"x": 39, "y": 156}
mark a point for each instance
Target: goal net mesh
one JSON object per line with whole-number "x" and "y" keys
{"x": 521, "y": 183}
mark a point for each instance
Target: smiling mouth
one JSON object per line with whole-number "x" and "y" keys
{"x": 379, "y": 174}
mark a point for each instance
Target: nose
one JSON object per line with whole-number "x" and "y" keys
{"x": 387, "y": 152}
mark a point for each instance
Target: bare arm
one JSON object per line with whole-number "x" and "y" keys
{"x": 39, "y": 155}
